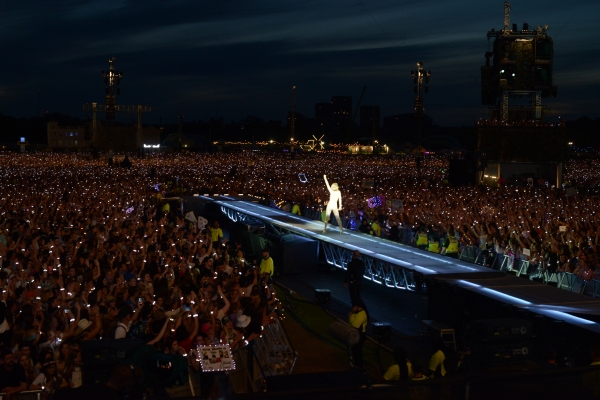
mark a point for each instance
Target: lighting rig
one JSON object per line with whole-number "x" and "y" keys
{"x": 112, "y": 80}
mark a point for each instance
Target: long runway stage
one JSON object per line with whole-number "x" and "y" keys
{"x": 402, "y": 267}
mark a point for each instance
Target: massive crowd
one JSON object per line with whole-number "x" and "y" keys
{"x": 87, "y": 253}
{"x": 90, "y": 252}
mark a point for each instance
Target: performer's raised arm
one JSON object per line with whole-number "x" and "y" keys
{"x": 335, "y": 199}
{"x": 327, "y": 183}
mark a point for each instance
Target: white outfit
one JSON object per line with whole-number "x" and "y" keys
{"x": 121, "y": 333}
{"x": 335, "y": 196}
{"x": 76, "y": 379}
{"x": 39, "y": 380}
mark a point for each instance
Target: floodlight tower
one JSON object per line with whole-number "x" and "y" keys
{"x": 419, "y": 77}
{"x": 112, "y": 79}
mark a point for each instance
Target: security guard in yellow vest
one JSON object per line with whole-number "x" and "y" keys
{"x": 421, "y": 238}
{"x": 450, "y": 247}
{"x": 433, "y": 245}
{"x": 376, "y": 229}
{"x": 296, "y": 209}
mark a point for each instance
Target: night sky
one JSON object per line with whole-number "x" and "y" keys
{"x": 232, "y": 59}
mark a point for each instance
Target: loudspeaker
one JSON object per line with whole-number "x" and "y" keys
{"x": 322, "y": 296}
{"x": 382, "y": 331}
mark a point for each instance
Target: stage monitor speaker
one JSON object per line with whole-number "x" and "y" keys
{"x": 501, "y": 352}
{"x": 382, "y": 331}
{"x": 322, "y": 296}
{"x": 502, "y": 329}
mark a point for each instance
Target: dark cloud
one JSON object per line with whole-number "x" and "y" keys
{"x": 237, "y": 58}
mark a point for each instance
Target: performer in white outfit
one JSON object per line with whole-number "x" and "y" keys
{"x": 335, "y": 196}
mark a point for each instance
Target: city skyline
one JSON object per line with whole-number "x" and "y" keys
{"x": 234, "y": 59}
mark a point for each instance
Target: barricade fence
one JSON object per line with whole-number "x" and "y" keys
{"x": 269, "y": 355}
{"x": 25, "y": 395}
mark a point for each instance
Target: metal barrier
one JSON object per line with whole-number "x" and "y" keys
{"x": 518, "y": 266}
{"x": 496, "y": 262}
{"x": 268, "y": 355}
{"x": 25, "y": 395}
{"x": 570, "y": 282}
{"x": 523, "y": 268}
{"x": 540, "y": 272}
{"x": 470, "y": 254}
{"x": 246, "y": 377}
{"x": 508, "y": 262}
{"x": 274, "y": 350}
{"x": 550, "y": 277}
{"x": 482, "y": 256}
{"x": 592, "y": 288}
